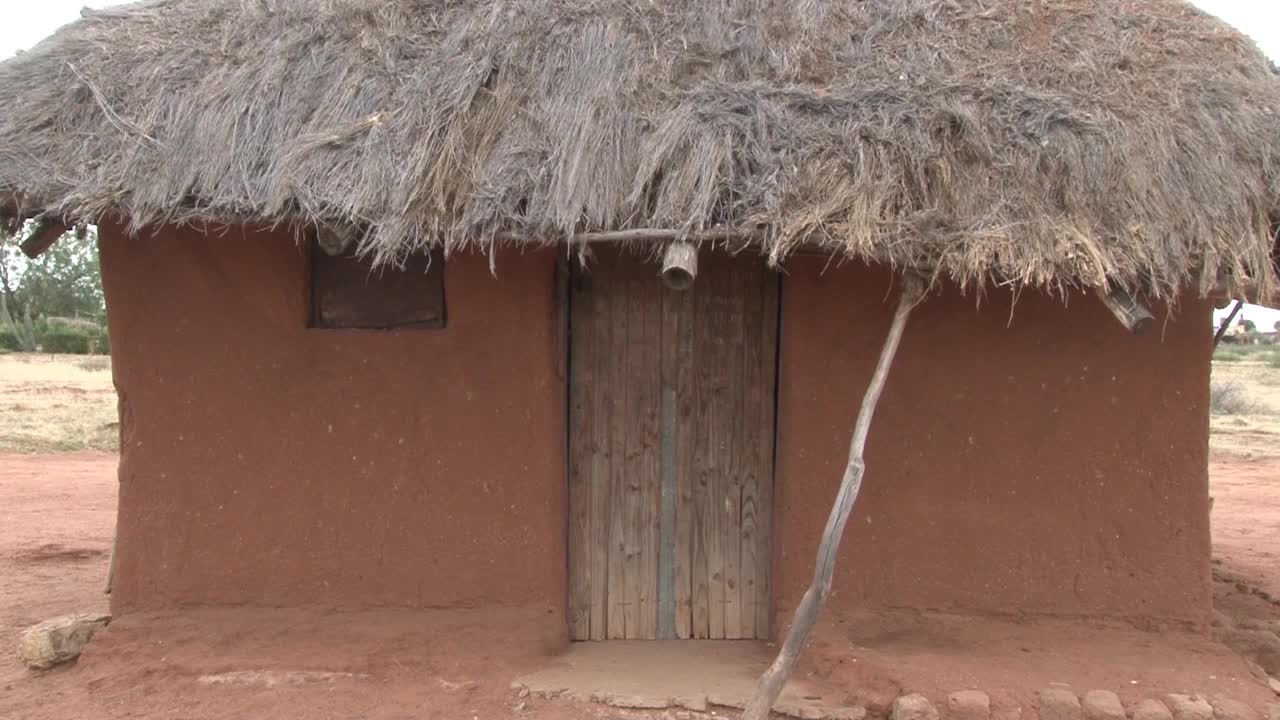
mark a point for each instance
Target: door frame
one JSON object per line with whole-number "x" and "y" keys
{"x": 570, "y": 273}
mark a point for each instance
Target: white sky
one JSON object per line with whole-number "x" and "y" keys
{"x": 30, "y": 22}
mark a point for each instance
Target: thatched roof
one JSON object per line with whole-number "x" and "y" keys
{"x": 1054, "y": 143}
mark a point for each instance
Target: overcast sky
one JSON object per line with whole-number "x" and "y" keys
{"x": 28, "y": 23}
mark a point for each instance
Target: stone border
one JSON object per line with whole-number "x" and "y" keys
{"x": 1055, "y": 703}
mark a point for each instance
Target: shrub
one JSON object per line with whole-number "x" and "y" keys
{"x": 65, "y": 341}
{"x": 1231, "y": 398}
{"x": 78, "y": 324}
{"x": 1228, "y": 353}
{"x": 9, "y": 341}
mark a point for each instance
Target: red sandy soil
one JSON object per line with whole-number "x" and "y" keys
{"x": 1246, "y": 521}
{"x": 56, "y": 520}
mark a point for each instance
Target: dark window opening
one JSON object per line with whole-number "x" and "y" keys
{"x": 349, "y": 293}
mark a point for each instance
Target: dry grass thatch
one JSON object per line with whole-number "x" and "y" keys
{"x": 1052, "y": 143}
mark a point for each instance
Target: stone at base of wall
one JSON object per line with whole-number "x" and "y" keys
{"x": 58, "y": 640}
{"x": 1054, "y": 703}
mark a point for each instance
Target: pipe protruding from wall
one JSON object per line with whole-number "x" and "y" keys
{"x": 1133, "y": 315}
{"x": 680, "y": 265}
{"x": 337, "y": 240}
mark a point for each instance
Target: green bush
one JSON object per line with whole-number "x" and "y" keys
{"x": 65, "y": 342}
{"x": 73, "y": 341}
{"x": 9, "y": 341}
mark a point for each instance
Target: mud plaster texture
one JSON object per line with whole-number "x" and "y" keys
{"x": 1038, "y": 461}
{"x": 268, "y": 464}
{"x": 1035, "y": 460}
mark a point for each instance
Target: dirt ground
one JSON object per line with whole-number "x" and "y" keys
{"x": 57, "y": 513}
{"x": 57, "y": 516}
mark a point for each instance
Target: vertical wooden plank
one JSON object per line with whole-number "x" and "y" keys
{"x": 754, "y": 387}
{"x": 700, "y": 442}
{"x": 618, "y": 292}
{"x": 600, "y": 434}
{"x": 735, "y": 447}
{"x": 713, "y": 371}
{"x": 633, "y": 429}
{"x": 648, "y": 385}
{"x": 667, "y": 511}
{"x": 767, "y": 435}
{"x": 581, "y": 453}
{"x": 670, "y": 564}
{"x": 678, "y": 314}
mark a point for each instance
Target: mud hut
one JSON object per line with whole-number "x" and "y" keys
{"x": 389, "y": 325}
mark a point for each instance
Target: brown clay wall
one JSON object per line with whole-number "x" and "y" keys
{"x": 268, "y": 464}
{"x": 1041, "y": 461}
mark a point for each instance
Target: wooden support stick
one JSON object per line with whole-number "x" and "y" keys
{"x": 111, "y": 563}
{"x": 1131, "y": 314}
{"x": 1217, "y": 337}
{"x": 45, "y": 234}
{"x": 643, "y": 234}
{"x": 770, "y": 685}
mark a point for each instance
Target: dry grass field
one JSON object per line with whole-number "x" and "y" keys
{"x": 56, "y": 403}
{"x": 1245, "y": 393}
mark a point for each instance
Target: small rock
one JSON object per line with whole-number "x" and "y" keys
{"x": 1102, "y": 705}
{"x": 913, "y": 706}
{"x": 968, "y": 705}
{"x": 451, "y": 686}
{"x": 1007, "y": 712}
{"x": 1151, "y": 710}
{"x": 728, "y": 701}
{"x": 58, "y": 640}
{"x": 684, "y": 715}
{"x": 799, "y": 709}
{"x": 637, "y": 702}
{"x": 1228, "y": 709}
{"x": 1058, "y": 704}
{"x": 524, "y": 693}
{"x": 518, "y": 707}
{"x": 1274, "y": 684}
{"x": 1189, "y": 707}
{"x": 697, "y": 703}
{"x": 1005, "y": 706}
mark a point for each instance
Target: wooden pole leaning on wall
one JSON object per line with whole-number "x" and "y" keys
{"x": 1226, "y": 324}
{"x": 680, "y": 265}
{"x": 772, "y": 681}
{"x": 111, "y": 564}
{"x": 1136, "y": 318}
{"x": 45, "y": 234}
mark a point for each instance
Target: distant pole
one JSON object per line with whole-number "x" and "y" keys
{"x": 1227, "y": 323}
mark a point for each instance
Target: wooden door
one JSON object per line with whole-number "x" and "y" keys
{"x": 671, "y": 444}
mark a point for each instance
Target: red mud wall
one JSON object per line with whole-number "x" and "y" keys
{"x": 1040, "y": 461}
{"x": 264, "y": 463}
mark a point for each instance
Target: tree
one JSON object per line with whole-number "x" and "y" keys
{"x": 63, "y": 282}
